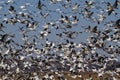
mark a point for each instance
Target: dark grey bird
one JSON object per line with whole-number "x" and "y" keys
{"x": 115, "y": 5}
{"x": 68, "y": 0}
{"x": 1, "y": 27}
{"x": 4, "y": 37}
{"x": 39, "y": 5}
{"x": 117, "y": 24}
{"x": 11, "y": 9}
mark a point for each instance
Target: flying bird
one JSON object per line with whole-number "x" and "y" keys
{"x": 11, "y": 9}
{"x": 39, "y": 5}
{"x": 117, "y": 24}
{"x": 115, "y": 5}
{"x": 1, "y": 26}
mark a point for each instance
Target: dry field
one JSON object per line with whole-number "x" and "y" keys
{"x": 86, "y": 76}
{"x": 68, "y": 76}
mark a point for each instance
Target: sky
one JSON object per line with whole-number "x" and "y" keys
{"x": 55, "y": 11}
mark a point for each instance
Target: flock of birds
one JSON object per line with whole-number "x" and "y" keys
{"x": 45, "y": 37}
